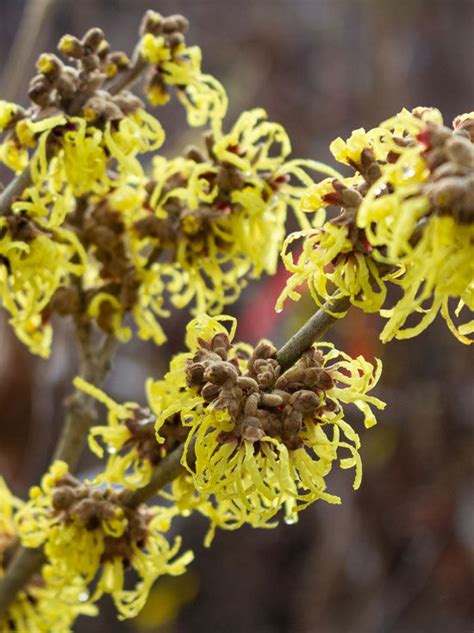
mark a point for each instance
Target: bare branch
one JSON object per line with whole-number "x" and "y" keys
{"x": 311, "y": 332}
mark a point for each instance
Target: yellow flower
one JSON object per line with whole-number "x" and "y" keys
{"x": 33, "y": 264}
{"x": 336, "y": 258}
{"x": 179, "y": 65}
{"x": 154, "y": 49}
{"x": 45, "y": 604}
{"x": 13, "y": 156}
{"x": 440, "y": 269}
{"x": 88, "y": 534}
{"x": 7, "y": 113}
{"x": 129, "y": 438}
{"x": 418, "y": 215}
{"x": 333, "y": 266}
{"x": 222, "y": 218}
{"x": 263, "y": 441}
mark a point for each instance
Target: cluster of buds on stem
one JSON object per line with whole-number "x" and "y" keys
{"x": 261, "y": 401}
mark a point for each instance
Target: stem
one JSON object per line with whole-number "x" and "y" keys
{"x": 131, "y": 75}
{"x": 81, "y": 409}
{"x": 166, "y": 471}
{"x": 310, "y": 332}
{"x": 24, "y": 564}
{"x": 80, "y": 415}
{"x": 13, "y": 190}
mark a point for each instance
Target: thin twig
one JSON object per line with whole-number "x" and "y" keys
{"x": 311, "y": 331}
{"x": 167, "y": 470}
{"x": 81, "y": 410}
{"x": 80, "y": 415}
{"x": 131, "y": 75}
{"x": 24, "y": 564}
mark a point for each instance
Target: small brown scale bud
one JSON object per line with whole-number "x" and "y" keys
{"x": 151, "y": 23}
{"x": 93, "y": 39}
{"x": 464, "y": 126}
{"x": 195, "y": 154}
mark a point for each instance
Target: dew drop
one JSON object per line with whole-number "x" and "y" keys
{"x": 290, "y": 520}
{"x": 279, "y": 310}
{"x": 84, "y": 596}
{"x": 111, "y": 450}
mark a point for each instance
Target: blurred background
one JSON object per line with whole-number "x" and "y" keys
{"x": 398, "y": 555}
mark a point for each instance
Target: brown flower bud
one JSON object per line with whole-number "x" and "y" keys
{"x": 464, "y": 125}
{"x": 251, "y": 430}
{"x": 170, "y": 24}
{"x": 221, "y": 372}
{"x": 39, "y": 91}
{"x": 461, "y": 151}
{"x": 271, "y": 400}
{"x": 373, "y": 172}
{"x": 351, "y": 198}
{"x": 251, "y": 404}
{"x": 174, "y": 39}
{"x": 63, "y": 498}
{"x": 210, "y": 392}
{"x": 127, "y": 102}
{"x": 71, "y": 46}
{"x": 151, "y": 23}
{"x": 195, "y": 373}
{"x": 304, "y": 400}
{"x": 65, "y": 301}
{"x": 247, "y": 383}
{"x": 66, "y": 84}
{"x": 93, "y": 39}
{"x": 85, "y": 509}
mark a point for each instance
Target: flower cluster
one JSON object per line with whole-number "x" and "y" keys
{"x": 85, "y": 139}
{"x": 264, "y": 440}
{"x": 34, "y": 260}
{"x": 89, "y": 533}
{"x": 421, "y": 217}
{"x": 45, "y": 603}
{"x": 405, "y": 216}
{"x": 129, "y": 438}
{"x": 115, "y": 241}
{"x": 176, "y": 65}
{"x": 218, "y": 218}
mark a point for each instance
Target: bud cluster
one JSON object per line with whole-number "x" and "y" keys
{"x": 261, "y": 401}
{"x": 91, "y": 534}
{"x": 449, "y": 155}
